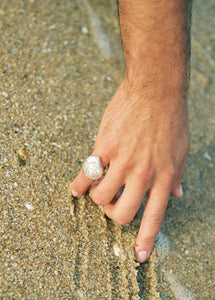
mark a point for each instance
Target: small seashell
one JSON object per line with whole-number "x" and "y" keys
{"x": 92, "y": 167}
{"x": 116, "y": 250}
{"x": 4, "y": 94}
{"x": 84, "y": 29}
{"x": 29, "y": 206}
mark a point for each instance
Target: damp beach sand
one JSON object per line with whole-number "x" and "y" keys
{"x": 61, "y": 62}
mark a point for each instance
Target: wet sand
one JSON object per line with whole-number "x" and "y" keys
{"x": 61, "y": 62}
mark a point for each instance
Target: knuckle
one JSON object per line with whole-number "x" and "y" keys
{"x": 104, "y": 145}
{"x": 122, "y": 220}
{"x": 144, "y": 173}
{"x": 146, "y": 240}
{"x": 156, "y": 219}
{"x": 98, "y": 198}
{"x": 125, "y": 164}
{"x": 169, "y": 175}
{"x": 123, "y": 168}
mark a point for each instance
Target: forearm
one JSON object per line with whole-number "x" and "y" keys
{"x": 155, "y": 43}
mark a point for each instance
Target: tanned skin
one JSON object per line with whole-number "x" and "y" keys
{"x": 144, "y": 133}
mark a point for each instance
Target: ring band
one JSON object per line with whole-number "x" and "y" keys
{"x": 93, "y": 167}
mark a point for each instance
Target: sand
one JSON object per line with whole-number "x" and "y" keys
{"x": 61, "y": 62}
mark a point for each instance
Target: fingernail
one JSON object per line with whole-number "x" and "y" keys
{"x": 181, "y": 190}
{"x": 141, "y": 256}
{"x": 74, "y": 193}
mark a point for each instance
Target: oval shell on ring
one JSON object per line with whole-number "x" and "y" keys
{"x": 92, "y": 167}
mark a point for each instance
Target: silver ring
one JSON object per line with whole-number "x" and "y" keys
{"x": 92, "y": 167}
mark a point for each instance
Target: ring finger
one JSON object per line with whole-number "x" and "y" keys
{"x": 81, "y": 182}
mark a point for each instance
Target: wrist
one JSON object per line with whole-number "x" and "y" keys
{"x": 160, "y": 75}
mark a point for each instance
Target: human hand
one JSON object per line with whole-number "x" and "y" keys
{"x": 144, "y": 142}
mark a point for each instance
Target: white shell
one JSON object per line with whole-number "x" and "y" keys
{"x": 29, "y": 206}
{"x": 92, "y": 167}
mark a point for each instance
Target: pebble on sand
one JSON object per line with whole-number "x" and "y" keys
{"x": 29, "y": 206}
{"x": 116, "y": 250}
{"x": 84, "y": 29}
